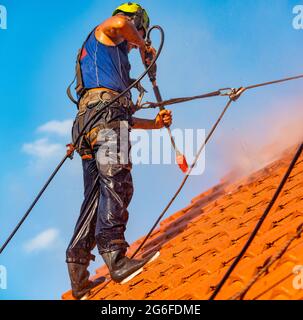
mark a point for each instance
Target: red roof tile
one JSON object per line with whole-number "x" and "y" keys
{"x": 199, "y": 243}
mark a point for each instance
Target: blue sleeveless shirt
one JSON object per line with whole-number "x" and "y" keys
{"x": 105, "y": 66}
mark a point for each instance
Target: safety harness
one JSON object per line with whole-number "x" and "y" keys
{"x": 96, "y": 100}
{"x": 80, "y": 89}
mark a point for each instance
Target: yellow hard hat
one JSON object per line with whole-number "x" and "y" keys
{"x": 139, "y": 15}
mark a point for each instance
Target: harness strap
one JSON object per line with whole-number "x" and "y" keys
{"x": 69, "y": 92}
{"x": 80, "y": 90}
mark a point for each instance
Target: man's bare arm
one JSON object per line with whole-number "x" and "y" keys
{"x": 145, "y": 124}
{"x": 164, "y": 118}
{"x": 119, "y": 28}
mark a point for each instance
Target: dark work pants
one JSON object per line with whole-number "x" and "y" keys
{"x": 108, "y": 190}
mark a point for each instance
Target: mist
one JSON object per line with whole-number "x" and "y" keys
{"x": 263, "y": 141}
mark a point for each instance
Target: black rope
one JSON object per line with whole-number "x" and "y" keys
{"x": 33, "y": 204}
{"x": 259, "y": 224}
{"x": 268, "y": 263}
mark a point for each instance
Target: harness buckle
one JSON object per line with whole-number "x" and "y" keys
{"x": 226, "y": 92}
{"x": 233, "y": 93}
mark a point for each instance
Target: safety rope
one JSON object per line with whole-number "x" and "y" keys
{"x": 221, "y": 92}
{"x": 259, "y": 224}
{"x": 150, "y": 105}
{"x": 269, "y": 262}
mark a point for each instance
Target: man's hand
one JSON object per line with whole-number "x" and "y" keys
{"x": 163, "y": 119}
{"x": 148, "y": 54}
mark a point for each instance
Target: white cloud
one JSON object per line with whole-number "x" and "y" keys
{"x": 42, "y": 148}
{"x": 61, "y": 128}
{"x": 42, "y": 241}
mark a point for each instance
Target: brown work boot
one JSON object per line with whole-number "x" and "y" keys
{"x": 79, "y": 277}
{"x": 121, "y": 268}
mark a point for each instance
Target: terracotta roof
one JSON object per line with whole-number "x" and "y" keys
{"x": 198, "y": 243}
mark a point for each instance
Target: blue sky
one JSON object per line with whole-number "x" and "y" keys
{"x": 209, "y": 44}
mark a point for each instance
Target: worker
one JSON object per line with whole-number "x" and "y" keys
{"x": 103, "y": 72}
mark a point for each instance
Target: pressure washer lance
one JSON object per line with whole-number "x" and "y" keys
{"x": 180, "y": 158}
